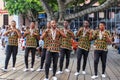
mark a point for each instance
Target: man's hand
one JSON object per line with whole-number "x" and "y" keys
{"x": 47, "y": 30}
{"x": 14, "y": 30}
{"x": 57, "y": 30}
{"x": 34, "y": 34}
{"x": 62, "y": 33}
{"x": 105, "y": 35}
{"x": 90, "y": 32}
{"x": 68, "y": 30}
{"x": 27, "y": 32}
{"x": 10, "y": 30}
{"x": 80, "y": 29}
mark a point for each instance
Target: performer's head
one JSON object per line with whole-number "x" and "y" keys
{"x": 102, "y": 26}
{"x": 32, "y": 24}
{"x": 48, "y": 25}
{"x": 86, "y": 23}
{"x": 13, "y": 24}
{"x": 66, "y": 24}
{"x": 53, "y": 24}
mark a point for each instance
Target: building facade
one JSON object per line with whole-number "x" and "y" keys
{"x": 111, "y": 16}
{"x": 5, "y": 18}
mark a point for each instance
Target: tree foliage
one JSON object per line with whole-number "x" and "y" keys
{"x": 31, "y": 8}
{"x": 28, "y": 8}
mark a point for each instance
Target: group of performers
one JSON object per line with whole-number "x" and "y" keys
{"x": 57, "y": 44}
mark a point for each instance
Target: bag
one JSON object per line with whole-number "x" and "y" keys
{"x": 74, "y": 45}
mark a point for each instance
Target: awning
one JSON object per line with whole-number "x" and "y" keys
{"x": 3, "y": 11}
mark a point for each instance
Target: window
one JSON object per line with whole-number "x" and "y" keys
{"x": 5, "y": 19}
{"x": 101, "y": 15}
{"x": 91, "y": 15}
{"x": 111, "y": 15}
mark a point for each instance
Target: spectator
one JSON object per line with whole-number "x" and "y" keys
{"x": 2, "y": 36}
{"x": 6, "y": 38}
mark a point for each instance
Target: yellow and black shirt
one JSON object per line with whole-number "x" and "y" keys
{"x": 100, "y": 44}
{"x": 66, "y": 42}
{"x": 13, "y": 39}
{"x": 31, "y": 40}
{"x": 83, "y": 41}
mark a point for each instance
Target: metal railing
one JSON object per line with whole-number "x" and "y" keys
{"x": 111, "y": 16}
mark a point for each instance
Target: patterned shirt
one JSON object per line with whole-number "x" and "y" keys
{"x": 100, "y": 44}
{"x": 66, "y": 42}
{"x": 13, "y": 39}
{"x": 45, "y": 41}
{"x": 84, "y": 41}
{"x": 53, "y": 45}
{"x": 31, "y": 40}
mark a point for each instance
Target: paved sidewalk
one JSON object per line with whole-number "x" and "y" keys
{"x": 112, "y": 69}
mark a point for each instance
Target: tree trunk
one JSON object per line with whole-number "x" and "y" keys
{"x": 23, "y": 20}
{"x": 30, "y": 16}
{"x": 68, "y": 1}
{"x": 61, "y": 6}
{"x": 105, "y": 5}
{"x": 49, "y": 11}
{"x": 86, "y": 6}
